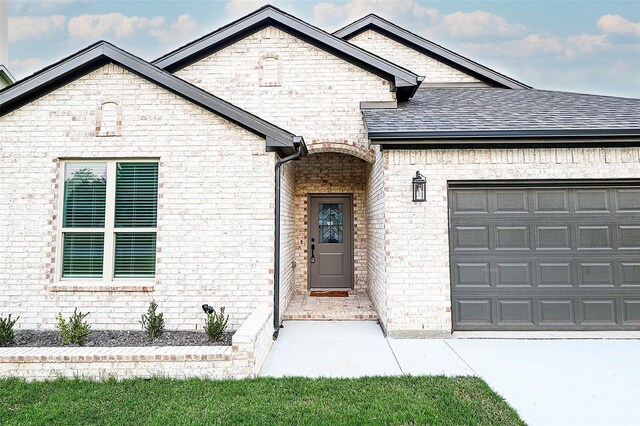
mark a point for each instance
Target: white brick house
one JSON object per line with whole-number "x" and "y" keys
{"x": 123, "y": 181}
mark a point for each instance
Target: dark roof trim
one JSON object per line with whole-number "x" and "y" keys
{"x": 429, "y": 48}
{"x": 101, "y": 53}
{"x": 386, "y": 138}
{"x": 404, "y": 81}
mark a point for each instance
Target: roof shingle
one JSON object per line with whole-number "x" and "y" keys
{"x": 437, "y": 111}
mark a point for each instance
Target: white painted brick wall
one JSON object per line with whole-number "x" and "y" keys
{"x": 376, "y": 259}
{"x": 287, "y": 234}
{"x": 216, "y": 202}
{"x": 433, "y": 70}
{"x": 320, "y": 93}
{"x": 417, "y": 267}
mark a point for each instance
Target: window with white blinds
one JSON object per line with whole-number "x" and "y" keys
{"x": 109, "y": 219}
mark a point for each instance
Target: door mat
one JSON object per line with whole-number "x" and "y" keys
{"x": 331, "y": 293}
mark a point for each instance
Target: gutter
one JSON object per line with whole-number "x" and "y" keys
{"x": 299, "y": 145}
{"x": 412, "y": 136}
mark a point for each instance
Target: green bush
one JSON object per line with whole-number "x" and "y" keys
{"x": 215, "y": 324}
{"x": 6, "y": 330}
{"x": 76, "y": 330}
{"x": 152, "y": 323}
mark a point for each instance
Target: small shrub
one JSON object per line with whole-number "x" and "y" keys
{"x": 153, "y": 323}
{"x": 6, "y": 330}
{"x": 76, "y": 330}
{"x": 215, "y": 324}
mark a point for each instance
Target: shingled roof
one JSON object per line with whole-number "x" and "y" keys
{"x": 491, "y": 113}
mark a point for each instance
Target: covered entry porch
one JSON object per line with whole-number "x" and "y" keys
{"x": 327, "y": 238}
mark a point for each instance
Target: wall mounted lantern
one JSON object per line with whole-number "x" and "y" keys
{"x": 419, "y": 188}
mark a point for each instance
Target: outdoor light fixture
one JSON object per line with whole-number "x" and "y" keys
{"x": 419, "y": 188}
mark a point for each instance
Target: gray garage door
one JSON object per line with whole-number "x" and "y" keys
{"x": 545, "y": 257}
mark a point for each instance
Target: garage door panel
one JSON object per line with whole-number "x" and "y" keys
{"x": 630, "y": 274}
{"x": 555, "y": 274}
{"x": 629, "y": 237}
{"x": 510, "y": 274}
{"x": 551, "y": 201}
{"x": 471, "y": 238}
{"x": 512, "y": 238}
{"x": 474, "y": 311}
{"x": 592, "y": 200}
{"x": 628, "y": 200}
{"x": 515, "y": 312}
{"x": 511, "y": 201}
{"x": 546, "y": 258}
{"x": 594, "y": 237}
{"x": 631, "y": 311}
{"x": 553, "y": 237}
{"x": 557, "y": 312}
{"x": 598, "y": 311}
{"x": 465, "y": 201}
{"x": 595, "y": 274}
{"x": 470, "y": 274}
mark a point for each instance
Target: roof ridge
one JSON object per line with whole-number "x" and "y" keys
{"x": 436, "y": 49}
{"x": 404, "y": 80}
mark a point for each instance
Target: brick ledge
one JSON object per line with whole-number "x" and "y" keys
{"x": 76, "y": 287}
{"x": 117, "y": 354}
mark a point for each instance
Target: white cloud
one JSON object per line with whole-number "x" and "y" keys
{"x": 21, "y": 68}
{"x": 34, "y": 27}
{"x": 456, "y": 25}
{"x": 477, "y": 23}
{"x": 333, "y": 14}
{"x": 184, "y": 26}
{"x": 534, "y": 44}
{"x": 96, "y": 26}
{"x": 238, "y": 8}
{"x": 616, "y": 24}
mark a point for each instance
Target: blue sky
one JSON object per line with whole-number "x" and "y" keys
{"x": 579, "y": 46}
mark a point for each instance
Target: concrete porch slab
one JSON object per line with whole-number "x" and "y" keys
{"x": 356, "y": 307}
{"x": 330, "y": 349}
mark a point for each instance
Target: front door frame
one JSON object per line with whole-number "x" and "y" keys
{"x": 351, "y": 234}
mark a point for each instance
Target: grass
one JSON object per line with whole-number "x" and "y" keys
{"x": 402, "y": 400}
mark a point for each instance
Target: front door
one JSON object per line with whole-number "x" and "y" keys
{"x": 330, "y": 241}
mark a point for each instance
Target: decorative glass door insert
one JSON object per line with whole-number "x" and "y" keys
{"x": 330, "y": 223}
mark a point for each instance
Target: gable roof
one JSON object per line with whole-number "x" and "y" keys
{"x": 428, "y": 48}
{"x": 101, "y": 53}
{"x": 481, "y": 115}
{"x": 404, "y": 82}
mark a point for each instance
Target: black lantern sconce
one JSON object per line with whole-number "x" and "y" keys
{"x": 419, "y": 188}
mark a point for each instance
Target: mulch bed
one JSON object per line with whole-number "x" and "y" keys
{"x": 108, "y": 338}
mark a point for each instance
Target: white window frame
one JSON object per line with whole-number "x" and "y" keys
{"x": 109, "y": 230}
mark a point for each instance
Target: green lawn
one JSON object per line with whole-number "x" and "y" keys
{"x": 291, "y": 401}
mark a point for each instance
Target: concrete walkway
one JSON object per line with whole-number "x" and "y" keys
{"x": 549, "y": 382}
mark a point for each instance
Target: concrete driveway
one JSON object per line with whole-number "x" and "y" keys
{"x": 549, "y": 382}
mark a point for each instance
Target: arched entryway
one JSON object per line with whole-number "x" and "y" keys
{"x": 324, "y": 230}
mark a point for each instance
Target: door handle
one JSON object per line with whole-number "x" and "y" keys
{"x": 313, "y": 257}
